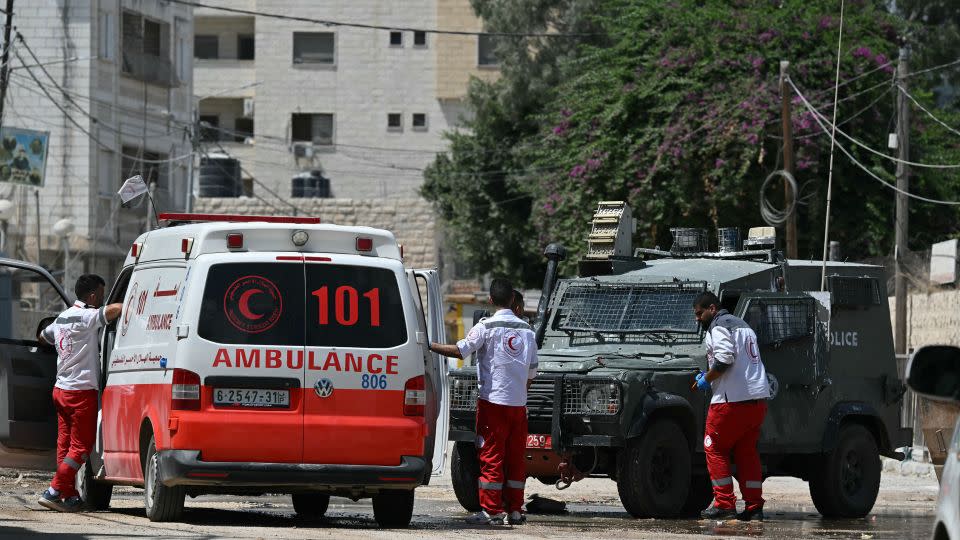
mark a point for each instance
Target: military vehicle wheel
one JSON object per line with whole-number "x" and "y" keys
{"x": 699, "y": 496}
{"x": 849, "y": 476}
{"x": 653, "y": 472}
{"x": 465, "y": 473}
{"x": 393, "y": 508}
{"x": 96, "y": 494}
{"x": 310, "y": 505}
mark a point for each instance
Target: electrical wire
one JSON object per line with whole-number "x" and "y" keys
{"x": 327, "y": 22}
{"x": 868, "y": 148}
{"x": 770, "y": 214}
{"x": 930, "y": 114}
{"x": 934, "y": 68}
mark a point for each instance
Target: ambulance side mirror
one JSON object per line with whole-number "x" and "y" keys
{"x": 934, "y": 372}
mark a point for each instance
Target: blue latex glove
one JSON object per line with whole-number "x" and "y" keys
{"x": 702, "y": 382}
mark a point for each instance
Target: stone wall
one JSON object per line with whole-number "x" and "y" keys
{"x": 932, "y": 319}
{"x": 411, "y": 220}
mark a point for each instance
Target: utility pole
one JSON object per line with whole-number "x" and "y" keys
{"x": 5, "y": 59}
{"x": 902, "y": 226}
{"x": 788, "y": 194}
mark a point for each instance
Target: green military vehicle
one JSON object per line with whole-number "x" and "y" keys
{"x": 620, "y": 349}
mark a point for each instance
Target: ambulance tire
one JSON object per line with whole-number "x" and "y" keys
{"x": 310, "y": 505}
{"x": 653, "y": 472}
{"x": 846, "y": 482}
{"x": 162, "y": 503}
{"x": 393, "y": 508}
{"x": 465, "y": 475}
{"x": 95, "y": 494}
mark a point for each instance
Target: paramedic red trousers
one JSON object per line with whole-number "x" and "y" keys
{"x": 735, "y": 428}
{"x": 76, "y": 431}
{"x": 501, "y": 443}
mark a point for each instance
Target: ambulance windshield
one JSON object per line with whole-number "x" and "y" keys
{"x": 320, "y": 305}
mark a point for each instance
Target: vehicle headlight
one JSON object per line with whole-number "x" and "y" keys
{"x": 603, "y": 398}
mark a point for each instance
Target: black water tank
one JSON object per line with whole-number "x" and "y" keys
{"x": 220, "y": 177}
{"x": 310, "y": 185}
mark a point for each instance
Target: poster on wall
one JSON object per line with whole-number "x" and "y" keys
{"x": 23, "y": 156}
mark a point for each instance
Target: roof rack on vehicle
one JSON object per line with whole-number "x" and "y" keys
{"x": 169, "y": 219}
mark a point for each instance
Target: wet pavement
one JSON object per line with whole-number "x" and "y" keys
{"x": 903, "y": 511}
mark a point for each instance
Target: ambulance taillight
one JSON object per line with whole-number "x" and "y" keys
{"x": 185, "y": 390}
{"x": 414, "y": 397}
{"x": 364, "y": 244}
{"x": 235, "y": 241}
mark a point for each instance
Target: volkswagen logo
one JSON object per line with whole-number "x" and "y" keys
{"x": 323, "y": 387}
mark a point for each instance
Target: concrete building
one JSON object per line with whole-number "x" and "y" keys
{"x": 114, "y": 90}
{"x": 367, "y": 107}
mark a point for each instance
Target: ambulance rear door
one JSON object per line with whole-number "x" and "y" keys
{"x": 428, "y": 282}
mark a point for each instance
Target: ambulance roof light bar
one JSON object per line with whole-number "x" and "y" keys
{"x": 173, "y": 218}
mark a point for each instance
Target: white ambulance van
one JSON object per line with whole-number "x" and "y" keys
{"x": 270, "y": 355}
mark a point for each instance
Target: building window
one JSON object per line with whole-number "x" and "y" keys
{"x": 108, "y": 36}
{"x": 419, "y": 122}
{"x": 315, "y": 128}
{"x": 419, "y": 38}
{"x": 243, "y": 128}
{"x": 206, "y": 47}
{"x": 209, "y": 127}
{"x": 396, "y": 39}
{"x": 154, "y": 166}
{"x": 245, "y": 47}
{"x": 313, "y": 48}
{"x": 394, "y": 122}
{"x": 145, "y": 49}
{"x": 486, "y": 50}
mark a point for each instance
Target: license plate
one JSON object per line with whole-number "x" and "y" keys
{"x": 539, "y": 441}
{"x": 251, "y": 397}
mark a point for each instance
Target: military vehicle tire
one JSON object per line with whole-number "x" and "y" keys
{"x": 96, "y": 494}
{"x": 465, "y": 473}
{"x": 310, "y": 505}
{"x": 848, "y": 480}
{"x": 653, "y": 472}
{"x": 699, "y": 496}
{"x": 393, "y": 508}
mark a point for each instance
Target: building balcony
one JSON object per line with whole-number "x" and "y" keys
{"x": 149, "y": 68}
{"x": 224, "y": 78}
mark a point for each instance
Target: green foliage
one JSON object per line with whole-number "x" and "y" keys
{"x": 676, "y": 109}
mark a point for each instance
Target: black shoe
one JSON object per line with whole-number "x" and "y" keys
{"x": 49, "y": 500}
{"x": 718, "y": 513}
{"x": 751, "y": 515}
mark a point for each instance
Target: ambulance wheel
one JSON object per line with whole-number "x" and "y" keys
{"x": 700, "y": 495}
{"x": 653, "y": 472}
{"x": 96, "y": 494}
{"x": 310, "y": 505}
{"x": 847, "y": 479}
{"x": 465, "y": 475}
{"x": 163, "y": 503}
{"x": 393, "y": 508}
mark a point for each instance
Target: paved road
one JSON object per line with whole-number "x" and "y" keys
{"x": 904, "y": 511}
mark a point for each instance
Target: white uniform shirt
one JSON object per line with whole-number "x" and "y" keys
{"x": 731, "y": 341}
{"x": 74, "y": 335}
{"x": 506, "y": 350}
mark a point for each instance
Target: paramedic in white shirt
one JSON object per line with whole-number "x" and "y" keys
{"x": 74, "y": 336}
{"x": 506, "y": 350}
{"x": 740, "y": 391}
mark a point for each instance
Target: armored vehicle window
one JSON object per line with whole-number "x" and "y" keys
{"x": 782, "y": 319}
{"x": 629, "y": 308}
{"x": 854, "y": 291}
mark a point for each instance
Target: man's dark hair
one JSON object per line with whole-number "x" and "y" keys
{"x": 501, "y": 292}
{"x": 706, "y": 299}
{"x": 87, "y": 284}
{"x": 517, "y": 298}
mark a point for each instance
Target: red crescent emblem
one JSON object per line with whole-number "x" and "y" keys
{"x": 61, "y": 342}
{"x": 752, "y": 349}
{"x": 244, "y": 304}
{"x": 510, "y": 343}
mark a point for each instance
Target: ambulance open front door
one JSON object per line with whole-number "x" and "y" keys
{"x": 428, "y": 282}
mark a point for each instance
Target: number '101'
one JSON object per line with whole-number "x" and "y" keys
{"x": 346, "y": 305}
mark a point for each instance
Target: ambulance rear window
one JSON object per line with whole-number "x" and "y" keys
{"x": 253, "y": 304}
{"x": 353, "y": 306}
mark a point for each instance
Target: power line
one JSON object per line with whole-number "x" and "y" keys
{"x": 816, "y": 117}
{"x": 864, "y": 146}
{"x": 328, "y": 22}
{"x": 934, "y": 68}
{"x": 930, "y": 114}
{"x": 845, "y": 120}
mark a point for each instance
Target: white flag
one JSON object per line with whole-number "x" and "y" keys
{"x": 132, "y": 188}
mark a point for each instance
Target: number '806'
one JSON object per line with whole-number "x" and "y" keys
{"x": 375, "y": 382}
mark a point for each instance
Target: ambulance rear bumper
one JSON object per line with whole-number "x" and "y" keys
{"x": 184, "y": 468}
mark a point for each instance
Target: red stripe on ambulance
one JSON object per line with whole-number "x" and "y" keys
{"x": 291, "y": 359}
